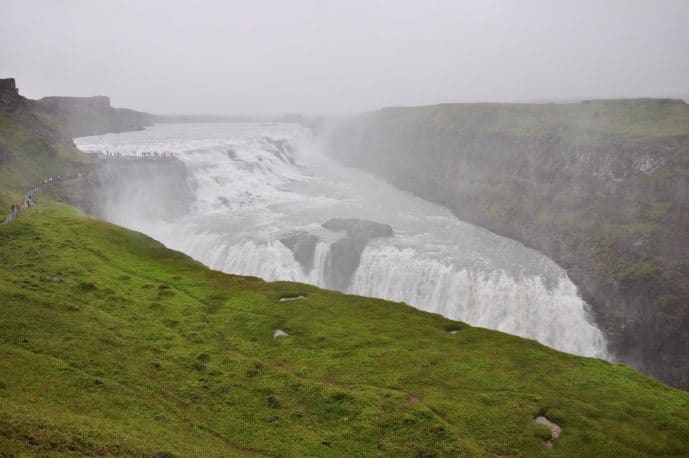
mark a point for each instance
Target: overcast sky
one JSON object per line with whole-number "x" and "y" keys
{"x": 261, "y": 57}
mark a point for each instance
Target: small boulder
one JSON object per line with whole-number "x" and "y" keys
{"x": 279, "y": 333}
{"x": 291, "y": 298}
{"x": 58, "y": 279}
{"x": 555, "y": 430}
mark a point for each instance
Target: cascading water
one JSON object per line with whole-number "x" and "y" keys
{"x": 263, "y": 191}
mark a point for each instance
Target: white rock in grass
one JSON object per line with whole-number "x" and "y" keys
{"x": 286, "y": 299}
{"x": 279, "y": 333}
{"x": 555, "y": 430}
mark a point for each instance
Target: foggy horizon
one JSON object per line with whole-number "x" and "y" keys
{"x": 270, "y": 58}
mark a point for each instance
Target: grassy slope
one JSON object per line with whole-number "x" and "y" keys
{"x": 35, "y": 156}
{"x": 142, "y": 350}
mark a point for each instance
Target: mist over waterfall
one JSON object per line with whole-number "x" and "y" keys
{"x": 267, "y": 202}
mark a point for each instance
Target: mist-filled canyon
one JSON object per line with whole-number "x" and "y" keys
{"x": 263, "y": 195}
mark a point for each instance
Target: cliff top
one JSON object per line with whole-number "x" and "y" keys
{"x": 10, "y": 100}
{"x": 7, "y": 84}
{"x": 101, "y": 102}
{"x": 585, "y": 122}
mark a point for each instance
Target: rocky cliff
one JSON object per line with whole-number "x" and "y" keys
{"x": 82, "y": 116}
{"x": 601, "y": 187}
{"x": 10, "y": 100}
{"x": 36, "y": 143}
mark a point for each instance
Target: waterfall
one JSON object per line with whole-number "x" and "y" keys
{"x": 263, "y": 193}
{"x": 496, "y": 300}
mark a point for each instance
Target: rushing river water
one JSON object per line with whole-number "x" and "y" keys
{"x": 261, "y": 188}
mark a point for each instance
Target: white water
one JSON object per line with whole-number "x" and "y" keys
{"x": 247, "y": 199}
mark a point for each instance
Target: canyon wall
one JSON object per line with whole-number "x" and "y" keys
{"x": 601, "y": 187}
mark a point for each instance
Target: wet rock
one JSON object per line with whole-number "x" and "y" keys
{"x": 359, "y": 228}
{"x": 303, "y": 247}
{"x": 345, "y": 254}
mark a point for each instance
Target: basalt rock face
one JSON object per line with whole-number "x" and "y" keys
{"x": 303, "y": 247}
{"x": 345, "y": 253}
{"x": 10, "y": 100}
{"x": 20, "y": 109}
{"x": 83, "y": 116}
{"x": 599, "y": 191}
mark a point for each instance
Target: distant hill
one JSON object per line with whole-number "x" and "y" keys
{"x": 81, "y": 116}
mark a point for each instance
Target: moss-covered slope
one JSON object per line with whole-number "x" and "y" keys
{"x": 31, "y": 152}
{"x": 112, "y": 344}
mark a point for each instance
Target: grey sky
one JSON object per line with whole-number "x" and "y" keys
{"x": 342, "y": 56}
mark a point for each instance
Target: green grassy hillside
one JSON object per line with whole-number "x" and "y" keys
{"x": 34, "y": 152}
{"x": 111, "y": 344}
{"x": 617, "y": 122}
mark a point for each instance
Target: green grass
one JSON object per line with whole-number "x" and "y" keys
{"x": 608, "y": 122}
{"x": 35, "y": 155}
{"x": 139, "y": 350}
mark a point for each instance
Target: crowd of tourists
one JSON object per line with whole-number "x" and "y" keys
{"x": 15, "y": 207}
{"x": 140, "y": 155}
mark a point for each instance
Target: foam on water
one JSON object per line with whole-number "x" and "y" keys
{"x": 255, "y": 182}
